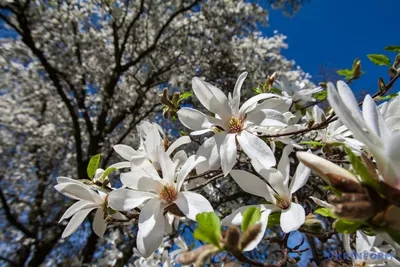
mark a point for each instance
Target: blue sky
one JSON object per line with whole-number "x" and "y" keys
{"x": 334, "y": 32}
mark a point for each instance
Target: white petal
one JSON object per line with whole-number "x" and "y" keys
{"x": 389, "y": 164}
{"x": 124, "y": 199}
{"x": 191, "y": 203}
{"x": 152, "y": 143}
{"x": 212, "y": 98}
{"x": 251, "y": 183}
{"x": 277, "y": 182}
{"x": 78, "y": 191}
{"x": 228, "y": 153}
{"x": 364, "y": 242}
{"x": 140, "y": 182}
{"x": 346, "y": 245}
{"x": 77, "y": 206}
{"x": 349, "y": 99}
{"x": 151, "y": 228}
{"x": 265, "y": 212}
{"x": 209, "y": 150}
{"x": 300, "y": 177}
{"x": 99, "y": 225}
{"x": 265, "y": 118}
{"x": 120, "y": 165}
{"x": 179, "y": 159}
{"x": 178, "y": 142}
{"x": 236, "y": 94}
{"x": 126, "y": 152}
{"x": 250, "y": 104}
{"x": 256, "y": 148}
{"x": 187, "y": 168}
{"x": 75, "y": 222}
{"x": 236, "y": 217}
{"x": 373, "y": 118}
{"x": 292, "y": 218}
{"x": 167, "y": 166}
{"x": 284, "y": 164}
{"x": 196, "y": 120}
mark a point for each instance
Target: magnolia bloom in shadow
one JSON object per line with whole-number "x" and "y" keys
{"x": 159, "y": 196}
{"x": 89, "y": 200}
{"x": 370, "y": 128}
{"x": 233, "y": 124}
{"x": 279, "y": 194}
{"x": 146, "y": 156}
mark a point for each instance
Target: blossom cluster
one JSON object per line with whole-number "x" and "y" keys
{"x": 155, "y": 193}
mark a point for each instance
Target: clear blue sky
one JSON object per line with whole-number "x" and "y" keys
{"x": 334, "y": 32}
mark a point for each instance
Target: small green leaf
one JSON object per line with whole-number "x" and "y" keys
{"x": 184, "y": 96}
{"x": 257, "y": 90}
{"x": 379, "y": 59}
{"x": 250, "y": 217}
{"x": 346, "y": 226}
{"x": 107, "y": 172}
{"x": 393, "y": 48}
{"x": 93, "y": 165}
{"x": 347, "y": 73}
{"x": 274, "y": 219}
{"x": 322, "y": 95}
{"x": 387, "y": 97}
{"x": 325, "y": 212}
{"x": 183, "y": 133}
{"x": 361, "y": 169}
{"x": 209, "y": 229}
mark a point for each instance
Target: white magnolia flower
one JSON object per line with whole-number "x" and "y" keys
{"x": 336, "y": 132}
{"x": 146, "y": 157}
{"x": 232, "y": 124}
{"x": 370, "y": 128}
{"x": 368, "y": 252}
{"x": 159, "y": 195}
{"x": 295, "y": 92}
{"x": 89, "y": 200}
{"x": 391, "y": 113}
{"x": 279, "y": 194}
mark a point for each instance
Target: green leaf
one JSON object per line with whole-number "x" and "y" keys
{"x": 184, "y": 96}
{"x": 257, "y": 90}
{"x": 312, "y": 143}
{"x": 93, "y": 165}
{"x": 387, "y": 97}
{"x": 274, "y": 219}
{"x": 393, "y": 48}
{"x": 347, "y": 73}
{"x": 346, "y": 226}
{"x": 250, "y": 217}
{"x": 361, "y": 169}
{"x": 380, "y": 60}
{"x": 325, "y": 212}
{"x": 209, "y": 229}
{"x": 322, "y": 95}
{"x": 107, "y": 172}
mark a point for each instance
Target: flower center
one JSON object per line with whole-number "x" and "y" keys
{"x": 235, "y": 125}
{"x": 168, "y": 193}
{"x": 282, "y": 203}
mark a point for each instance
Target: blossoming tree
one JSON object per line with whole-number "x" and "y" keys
{"x": 256, "y": 170}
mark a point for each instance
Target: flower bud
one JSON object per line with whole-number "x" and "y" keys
{"x": 249, "y": 235}
{"x": 397, "y": 61}
{"x": 392, "y": 72}
{"x": 323, "y": 85}
{"x": 360, "y": 210}
{"x": 232, "y": 237}
{"x": 334, "y": 175}
{"x": 192, "y": 256}
{"x": 391, "y": 217}
{"x": 313, "y": 225}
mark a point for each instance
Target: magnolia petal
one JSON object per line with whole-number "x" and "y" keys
{"x": 212, "y": 98}
{"x": 292, "y": 218}
{"x": 187, "y": 168}
{"x": 284, "y": 164}
{"x": 374, "y": 119}
{"x": 179, "y": 159}
{"x": 167, "y": 166}
{"x": 124, "y": 199}
{"x": 140, "y": 182}
{"x": 120, "y": 165}
{"x": 78, "y": 191}
{"x": 300, "y": 177}
{"x": 349, "y": 99}
{"x": 151, "y": 228}
{"x": 191, "y": 204}
{"x": 251, "y": 104}
{"x": 80, "y": 205}
{"x": 99, "y": 225}
{"x": 236, "y": 217}
{"x": 228, "y": 153}
{"x": 256, "y": 148}
{"x": 364, "y": 242}
{"x": 235, "y": 103}
{"x": 126, "y": 152}
{"x": 197, "y": 120}
{"x": 209, "y": 150}
{"x": 265, "y": 118}
{"x": 75, "y": 222}
{"x": 277, "y": 182}
{"x": 251, "y": 184}
{"x": 389, "y": 165}
{"x": 183, "y": 140}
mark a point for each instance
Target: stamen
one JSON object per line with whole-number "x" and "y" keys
{"x": 235, "y": 125}
{"x": 168, "y": 193}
